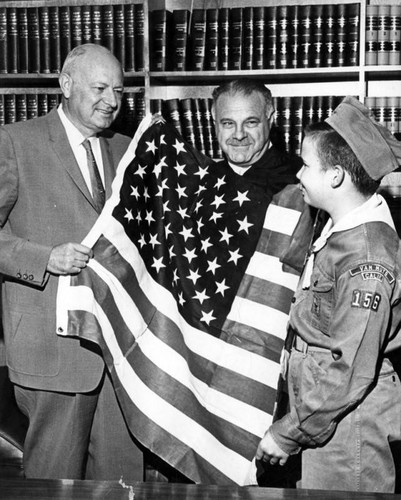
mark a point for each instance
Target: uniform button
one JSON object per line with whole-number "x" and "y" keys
{"x": 293, "y": 299}
{"x": 60, "y": 330}
{"x": 31, "y": 277}
{"x": 18, "y": 275}
{"x": 315, "y": 283}
{"x": 25, "y": 276}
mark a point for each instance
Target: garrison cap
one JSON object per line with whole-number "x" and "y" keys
{"x": 374, "y": 145}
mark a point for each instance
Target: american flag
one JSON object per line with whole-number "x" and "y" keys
{"x": 188, "y": 300}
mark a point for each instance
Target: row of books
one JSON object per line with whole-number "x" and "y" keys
{"x": 383, "y": 35}
{"x": 387, "y": 111}
{"x": 37, "y": 39}
{"x": 269, "y": 37}
{"x": 193, "y": 120}
{"x": 17, "y": 107}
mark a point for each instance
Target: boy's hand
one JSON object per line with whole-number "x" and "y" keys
{"x": 269, "y": 451}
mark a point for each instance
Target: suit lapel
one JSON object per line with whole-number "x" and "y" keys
{"x": 108, "y": 164}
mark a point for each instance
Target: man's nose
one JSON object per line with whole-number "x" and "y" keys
{"x": 111, "y": 97}
{"x": 239, "y": 132}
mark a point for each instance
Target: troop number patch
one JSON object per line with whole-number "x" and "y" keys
{"x": 365, "y": 300}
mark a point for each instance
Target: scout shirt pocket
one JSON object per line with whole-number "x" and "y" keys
{"x": 321, "y": 303}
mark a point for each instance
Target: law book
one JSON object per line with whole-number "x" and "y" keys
{"x": 158, "y": 40}
{"x": 12, "y": 40}
{"x": 395, "y": 35}
{"x": 139, "y": 14}
{"x": 198, "y": 125}
{"x": 173, "y": 114}
{"x": 271, "y": 37}
{"x": 125, "y": 121}
{"x": 329, "y": 105}
{"x": 43, "y": 105}
{"x": 294, "y": 35}
{"x": 140, "y": 108}
{"x": 156, "y": 106}
{"x": 180, "y": 25}
{"x": 224, "y": 38}
{"x": 370, "y": 102}
{"x": 2, "y": 117}
{"x": 3, "y": 42}
{"x": 371, "y": 34}
{"x": 208, "y": 128}
{"x": 259, "y": 20}
{"x": 129, "y": 29}
{"x": 383, "y": 35}
{"x": 319, "y": 108}
{"x": 248, "y": 37}
{"x": 393, "y": 104}
{"x": 108, "y": 26}
{"x": 283, "y": 38}
{"x": 33, "y": 40}
{"x": 76, "y": 25}
{"x": 308, "y": 111}
{"x": 235, "y": 52}
{"x": 296, "y": 129}
{"x": 119, "y": 33}
{"x": 53, "y": 100}
{"x": 187, "y": 121}
{"x": 97, "y": 24}
{"x": 283, "y": 120}
{"x": 212, "y": 40}
{"x": 10, "y": 108}
{"x": 317, "y": 36}
{"x": 22, "y": 19}
{"x": 329, "y": 35}
{"x": 381, "y": 111}
{"x": 341, "y": 34}
{"x": 31, "y": 106}
{"x": 54, "y": 28}
{"x": 44, "y": 39}
{"x": 352, "y": 37}
{"x": 86, "y": 15}
{"x": 305, "y": 35}
{"x": 65, "y": 31}
{"x": 197, "y": 39}
{"x": 20, "y": 108}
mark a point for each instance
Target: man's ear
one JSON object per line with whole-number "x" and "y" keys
{"x": 65, "y": 83}
{"x": 337, "y": 176}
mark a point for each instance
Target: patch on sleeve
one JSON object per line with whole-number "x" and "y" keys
{"x": 373, "y": 271}
{"x": 365, "y": 300}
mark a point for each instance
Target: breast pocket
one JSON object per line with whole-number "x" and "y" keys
{"x": 321, "y": 304}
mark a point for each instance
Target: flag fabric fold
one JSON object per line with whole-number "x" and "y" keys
{"x": 188, "y": 300}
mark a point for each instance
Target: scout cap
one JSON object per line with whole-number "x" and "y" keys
{"x": 374, "y": 145}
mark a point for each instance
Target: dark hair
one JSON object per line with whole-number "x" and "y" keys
{"x": 333, "y": 149}
{"x": 245, "y": 86}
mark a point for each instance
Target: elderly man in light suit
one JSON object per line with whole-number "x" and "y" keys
{"x": 47, "y": 206}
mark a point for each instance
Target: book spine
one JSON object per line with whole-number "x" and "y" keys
{"x": 53, "y": 101}
{"x": 97, "y": 24}
{"x": 158, "y": 39}
{"x": 329, "y": 104}
{"x": 156, "y": 106}
{"x": 10, "y": 108}
{"x": 2, "y": 114}
{"x": 208, "y": 129}
{"x": 65, "y": 31}
{"x": 3, "y": 42}
{"x": 198, "y": 126}
{"x": 86, "y": 15}
{"x": 119, "y": 31}
{"x": 139, "y": 16}
{"x": 297, "y": 121}
{"x": 395, "y": 35}
{"x": 271, "y": 38}
{"x": 20, "y": 108}
{"x": 54, "y": 26}
{"x": 180, "y": 19}
{"x": 352, "y": 31}
{"x": 212, "y": 40}
{"x": 187, "y": 120}
{"x": 173, "y": 114}
{"x": 22, "y": 18}
{"x": 128, "y": 115}
{"x": 140, "y": 108}
{"x": 259, "y": 16}
{"x": 306, "y": 25}
{"x": 393, "y": 103}
{"x": 294, "y": 44}
{"x": 283, "y": 49}
{"x": 235, "y": 55}
{"x": 341, "y": 35}
{"x": 383, "y": 34}
{"x": 43, "y": 106}
{"x": 248, "y": 47}
{"x": 108, "y": 27}
{"x": 44, "y": 39}
{"x": 33, "y": 40}
{"x": 329, "y": 36}
{"x": 198, "y": 39}
{"x": 224, "y": 38}
{"x": 309, "y": 111}
{"x": 31, "y": 106}
{"x": 12, "y": 41}
{"x": 129, "y": 29}
{"x": 76, "y": 25}
{"x": 382, "y": 111}
{"x": 317, "y": 36}
{"x": 371, "y": 35}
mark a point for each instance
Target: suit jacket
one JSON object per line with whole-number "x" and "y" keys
{"x": 44, "y": 201}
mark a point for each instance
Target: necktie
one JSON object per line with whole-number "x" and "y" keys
{"x": 316, "y": 247}
{"x": 98, "y": 193}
